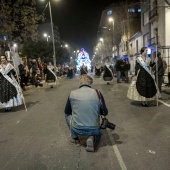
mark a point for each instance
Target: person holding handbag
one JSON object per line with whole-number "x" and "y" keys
{"x": 82, "y": 113}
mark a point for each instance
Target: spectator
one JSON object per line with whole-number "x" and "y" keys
{"x": 118, "y": 68}
{"x": 126, "y": 68}
{"x": 160, "y": 73}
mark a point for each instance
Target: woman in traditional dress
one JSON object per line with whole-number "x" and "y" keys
{"x": 108, "y": 74}
{"x": 70, "y": 72}
{"x": 98, "y": 70}
{"x": 83, "y": 70}
{"x": 51, "y": 78}
{"x": 10, "y": 91}
{"x": 143, "y": 87}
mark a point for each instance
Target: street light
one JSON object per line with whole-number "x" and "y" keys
{"x": 111, "y": 19}
{"x": 101, "y": 39}
{"x": 76, "y": 52}
{"x": 45, "y": 35}
{"x": 15, "y": 46}
{"x": 52, "y": 31}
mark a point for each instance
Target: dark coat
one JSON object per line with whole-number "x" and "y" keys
{"x": 160, "y": 67}
{"x": 119, "y": 65}
{"x": 22, "y": 70}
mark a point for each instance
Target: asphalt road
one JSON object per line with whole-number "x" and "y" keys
{"x": 38, "y": 139}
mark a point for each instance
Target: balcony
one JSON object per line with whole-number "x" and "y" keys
{"x": 152, "y": 41}
{"x": 153, "y": 15}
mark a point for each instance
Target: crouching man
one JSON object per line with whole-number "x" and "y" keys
{"x": 82, "y": 113}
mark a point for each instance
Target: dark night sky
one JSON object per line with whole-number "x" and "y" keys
{"x": 78, "y": 20}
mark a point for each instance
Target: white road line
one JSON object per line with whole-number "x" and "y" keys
{"x": 117, "y": 153}
{"x": 166, "y": 104}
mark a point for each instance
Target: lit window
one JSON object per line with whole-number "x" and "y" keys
{"x": 131, "y": 10}
{"x": 4, "y": 37}
{"x": 109, "y": 12}
{"x": 139, "y": 10}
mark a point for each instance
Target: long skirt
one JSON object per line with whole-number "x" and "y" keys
{"x": 9, "y": 96}
{"x": 134, "y": 95}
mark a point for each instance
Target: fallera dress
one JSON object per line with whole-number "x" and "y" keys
{"x": 10, "y": 91}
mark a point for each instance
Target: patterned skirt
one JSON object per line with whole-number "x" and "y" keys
{"x": 9, "y": 96}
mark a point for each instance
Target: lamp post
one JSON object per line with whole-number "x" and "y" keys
{"x": 52, "y": 31}
{"x": 47, "y": 36}
{"x": 102, "y": 47}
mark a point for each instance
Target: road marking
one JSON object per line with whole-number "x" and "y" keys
{"x": 117, "y": 153}
{"x": 166, "y": 104}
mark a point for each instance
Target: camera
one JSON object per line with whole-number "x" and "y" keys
{"x": 106, "y": 124}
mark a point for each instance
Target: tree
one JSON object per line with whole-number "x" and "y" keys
{"x": 18, "y": 20}
{"x": 130, "y": 22}
{"x": 44, "y": 50}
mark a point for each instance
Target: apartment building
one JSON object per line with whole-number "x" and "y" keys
{"x": 155, "y": 26}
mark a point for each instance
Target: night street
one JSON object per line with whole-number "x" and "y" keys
{"x": 38, "y": 139}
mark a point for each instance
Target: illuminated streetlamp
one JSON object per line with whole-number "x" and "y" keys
{"x": 15, "y": 46}
{"x": 111, "y": 19}
{"x": 101, "y": 39}
{"x": 47, "y": 36}
{"x": 76, "y": 52}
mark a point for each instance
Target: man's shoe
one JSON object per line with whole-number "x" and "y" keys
{"x": 90, "y": 144}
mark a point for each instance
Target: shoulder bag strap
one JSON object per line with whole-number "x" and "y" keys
{"x": 100, "y": 100}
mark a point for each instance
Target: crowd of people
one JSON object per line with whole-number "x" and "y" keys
{"x": 34, "y": 71}
{"x": 13, "y": 81}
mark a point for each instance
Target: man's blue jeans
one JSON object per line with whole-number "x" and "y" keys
{"x": 83, "y": 132}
